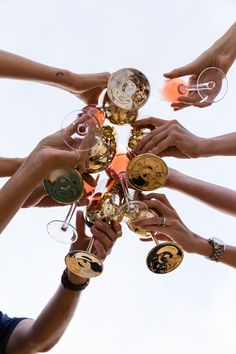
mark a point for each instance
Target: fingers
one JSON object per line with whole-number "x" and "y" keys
{"x": 46, "y": 202}
{"x": 160, "y": 197}
{"x": 89, "y": 179}
{"x": 202, "y": 104}
{"x": 182, "y": 71}
{"x": 91, "y": 96}
{"x": 158, "y": 236}
{"x": 149, "y": 122}
{"x": 147, "y": 142}
{"x": 105, "y": 237}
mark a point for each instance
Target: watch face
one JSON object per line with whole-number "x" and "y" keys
{"x": 219, "y": 241}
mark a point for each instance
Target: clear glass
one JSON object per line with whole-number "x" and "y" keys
{"x": 165, "y": 256}
{"x": 117, "y": 170}
{"x": 128, "y": 88}
{"x": 211, "y": 85}
{"x": 82, "y": 130}
{"x": 62, "y": 230}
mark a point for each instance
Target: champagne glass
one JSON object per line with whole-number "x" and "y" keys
{"x": 146, "y": 172}
{"x": 65, "y": 186}
{"x": 81, "y": 131}
{"x": 127, "y": 90}
{"x": 104, "y": 204}
{"x": 84, "y": 263}
{"x": 101, "y": 207}
{"x": 117, "y": 170}
{"x": 211, "y": 85}
{"x": 165, "y": 256}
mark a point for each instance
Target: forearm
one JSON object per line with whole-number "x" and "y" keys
{"x": 50, "y": 325}
{"x": 14, "y": 193}
{"x": 203, "y": 248}
{"x": 226, "y": 44}
{"x": 16, "y": 67}
{"x": 220, "y": 198}
{"x": 224, "y": 145}
{"x": 8, "y": 166}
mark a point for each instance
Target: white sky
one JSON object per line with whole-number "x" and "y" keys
{"x": 128, "y": 309}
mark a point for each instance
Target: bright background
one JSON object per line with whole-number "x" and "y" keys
{"x": 128, "y": 309}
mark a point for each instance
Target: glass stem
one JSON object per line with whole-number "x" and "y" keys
{"x": 124, "y": 185}
{"x": 90, "y": 245}
{"x": 154, "y": 239}
{"x": 206, "y": 86}
{"x": 69, "y": 216}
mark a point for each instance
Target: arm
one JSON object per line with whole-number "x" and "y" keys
{"x": 51, "y": 153}
{"x": 170, "y": 138}
{"x": 8, "y": 166}
{"x": 221, "y": 55}
{"x": 85, "y": 86}
{"x": 40, "y": 335}
{"x": 220, "y": 198}
{"x": 177, "y": 231}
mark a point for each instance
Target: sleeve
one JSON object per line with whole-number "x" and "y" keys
{"x": 7, "y": 326}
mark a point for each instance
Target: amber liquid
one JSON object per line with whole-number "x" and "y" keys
{"x": 172, "y": 89}
{"x": 88, "y": 189}
{"x": 119, "y": 165}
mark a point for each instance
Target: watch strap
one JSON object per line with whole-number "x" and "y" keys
{"x": 218, "y": 250}
{"x": 70, "y": 286}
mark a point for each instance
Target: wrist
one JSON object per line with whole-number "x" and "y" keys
{"x": 206, "y": 148}
{"x": 73, "y": 284}
{"x": 202, "y": 246}
{"x": 75, "y": 279}
{"x": 37, "y": 164}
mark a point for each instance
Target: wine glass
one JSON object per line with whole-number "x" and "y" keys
{"x": 147, "y": 172}
{"x": 84, "y": 263}
{"x": 101, "y": 207}
{"x": 211, "y": 85}
{"x": 65, "y": 186}
{"x": 81, "y": 131}
{"x": 117, "y": 170}
{"x": 127, "y": 90}
{"x": 105, "y": 201}
{"x": 165, "y": 256}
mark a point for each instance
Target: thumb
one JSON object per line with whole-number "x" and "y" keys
{"x": 182, "y": 71}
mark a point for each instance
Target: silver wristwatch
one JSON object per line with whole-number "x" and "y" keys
{"x": 218, "y": 249}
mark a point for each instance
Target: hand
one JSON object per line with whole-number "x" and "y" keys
{"x": 88, "y": 87}
{"x": 53, "y": 153}
{"x": 104, "y": 238}
{"x": 167, "y": 138}
{"x": 212, "y": 57}
{"x": 174, "y": 227}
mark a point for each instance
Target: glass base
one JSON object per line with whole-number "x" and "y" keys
{"x": 164, "y": 257}
{"x": 217, "y": 84}
{"x": 147, "y": 172}
{"x": 62, "y": 232}
{"x": 84, "y": 264}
